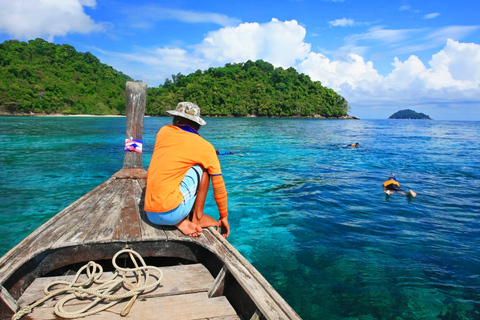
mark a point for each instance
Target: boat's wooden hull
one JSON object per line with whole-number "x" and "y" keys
{"x": 110, "y": 218}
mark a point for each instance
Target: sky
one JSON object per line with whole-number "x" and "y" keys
{"x": 381, "y": 56}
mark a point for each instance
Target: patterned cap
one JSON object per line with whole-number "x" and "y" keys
{"x": 188, "y": 110}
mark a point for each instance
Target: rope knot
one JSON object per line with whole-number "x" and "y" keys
{"x": 105, "y": 291}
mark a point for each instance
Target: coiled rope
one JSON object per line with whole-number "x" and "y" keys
{"x": 104, "y": 291}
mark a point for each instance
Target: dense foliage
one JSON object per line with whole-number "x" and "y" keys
{"x": 41, "y": 77}
{"x": 409, "y": 114}
{"x": 250, "y": 88}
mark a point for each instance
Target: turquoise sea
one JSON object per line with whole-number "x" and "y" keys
{"x": 305, "y": 209}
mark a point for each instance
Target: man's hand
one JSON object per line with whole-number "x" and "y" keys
{"x": 224, "y": 227}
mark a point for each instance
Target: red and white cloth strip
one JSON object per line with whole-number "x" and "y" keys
{"x": 133, "y": 145}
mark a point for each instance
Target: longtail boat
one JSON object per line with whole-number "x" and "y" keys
{"x": 201, "y": 278}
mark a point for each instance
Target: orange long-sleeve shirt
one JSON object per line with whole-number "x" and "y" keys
{"x": 175, "y": 152}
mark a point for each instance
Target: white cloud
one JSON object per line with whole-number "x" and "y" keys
{"x": 156, "y": 65}
{"x": 145, "y": 16}
{"x": 435, "y": 39}
{"x": 404, "y": 74}
{"x": 408, "y": 9}
{"x": 453, "y": 76}
{"x": 280, "y": 43}
{"x": 383, "y": 35}
{"x": 196, "y": 17}
{"x": 344, "y": 22}
{"x": 28, "y": 19}
{"x": 453, "y": 32}
{"x": 458, "y": 66}
{"x": 353, "y": 71}
{"x": 88, "y": 3}
{"x": 431, "y": 15}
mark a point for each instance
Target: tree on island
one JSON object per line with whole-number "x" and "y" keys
{"x": 409, "y": 114}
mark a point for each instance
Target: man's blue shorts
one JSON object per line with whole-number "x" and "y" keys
{"x": 188, "y": 187}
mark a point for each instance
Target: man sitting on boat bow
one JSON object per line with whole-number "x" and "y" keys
{"x": 179, "y": 174}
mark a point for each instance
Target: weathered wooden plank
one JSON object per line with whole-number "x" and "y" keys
{"x": 139, "y": 188}
{"x": 82, "y": 220}
{"x": 128, "y": 226}
{"x": 104, "y": 227}
{"x": 178, "y": 307}
{"x": 218, "y": 285}
{"x": 180, "y": 279}
{"x": 10, "y": 302}
{"x": 183, "y": 307}
{"x": 131, "y": 174}
{"x": 115, "y": 316}
{"x": 257, "y": 315}
{"x": 268, "y": 301}
{"x": 148, "y": 229}
{"x": 42, "y": 238}
{"x": 173, "y": 234}
{"x": 136, "y": 99}
{"x": 142, "y": 183}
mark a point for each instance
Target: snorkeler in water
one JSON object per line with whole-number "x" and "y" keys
{"x": 392, "y": 185}
{"x": 222, "y": 153}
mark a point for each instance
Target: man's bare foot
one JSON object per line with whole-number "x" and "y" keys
{"x": 205, "y": 221}
{"x": 189, "y": 228}
{"x": 412, "y": 193}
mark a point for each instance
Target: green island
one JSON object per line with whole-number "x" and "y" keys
{"x": 409, "y": 114}
{"x": 42, "y": 78}
{"x": 39, "y": 77}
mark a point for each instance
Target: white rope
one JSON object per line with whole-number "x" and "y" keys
{"x": 104, "y": 291}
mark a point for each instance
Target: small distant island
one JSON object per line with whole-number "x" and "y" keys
{"x": 409, "y": 114}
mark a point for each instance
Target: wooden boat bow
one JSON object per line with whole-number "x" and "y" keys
{"x": 110, "y": 218}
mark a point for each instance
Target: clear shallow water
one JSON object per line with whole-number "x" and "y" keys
{"x": 306, "y": 210}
